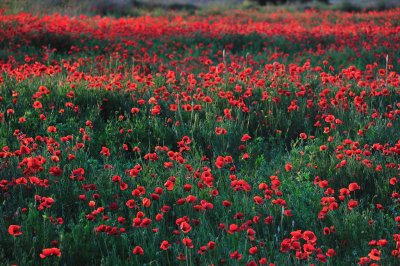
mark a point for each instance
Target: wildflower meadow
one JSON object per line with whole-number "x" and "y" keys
{"x": 210, "y": 137}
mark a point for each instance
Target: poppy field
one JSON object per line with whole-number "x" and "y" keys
{"x": 216, "y": 137}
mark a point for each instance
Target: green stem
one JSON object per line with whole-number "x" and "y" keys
{"x": 187, "y": 262}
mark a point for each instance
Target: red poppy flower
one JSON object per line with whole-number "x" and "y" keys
{"x": 146, "y": 202}
{"x": 131, "y": 203}
{"x": 105, "y": 151}
{"x": 269, "y": 220}
{"x": 187, "y": 242}
{"x": 236, "y": 255}
{"x": 245, "y": 156}
{"x": 138, "y": 251}
{"x": 185, "y": 227}
{"x": 288, "y": 213}
{"x": 245, "y": 137}
{"x": 253, "y": 250}
{"x": 308, "y": 248}
{"x": 258, "y": 200}
{"x": 52, "y": 129}
{"x": 50, "y": 252}
{"x": 374, "y": 254}
{"x": 296, "y": 235}
{"x": 14, "y": 230}
{"x": 226, "y": 203}
{"x": 202, "y": 250}
{"x": 364, "y": 261}
{"x": 382, "y": 242}
{"x": 211, "y": 245}
{"x": 165, "y": 245}
{"x": 116, "y": 179}
{"x": 331, "y": 253}
{"x": 321, "y": 258}
{"x": 37, "y": 105}
{"x": 309, "y": 237}
{"x": 288, "y": 167}
{"x": 191, "y": 199}
{"x": 352, "y": 204}
{"x": 123, "y": 186}
{"x": 354, "y": 186}
{"x": 181, "y": 257}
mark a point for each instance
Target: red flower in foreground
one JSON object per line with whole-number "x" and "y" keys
{"x": 181, "y": 257}
{"x": 364, "y": 261}
{"x": 354, "y": 186}
{"x": 375, "y": 254}
{"x": 37, "y": 105}
{"x": 236, "y": 255}
{"x": 185, "y": 227}
{"x": 165, "y": 245}
{"x": 14, "y": 230}
{"x": 352, "y": 204}
{"x": 50, "y": 252}
{"x": 331, "y": 253}
{"x": 211, "y": 245}
{"x": 105, "y": 151}
{"x": 187, "y": 242}
{"x": 245, "y": 137}
{"x": 226, "y": 203}
{"x": 253, "y": 250}
{"x": 138, "y": 250}
{"x": 288, "y": 167}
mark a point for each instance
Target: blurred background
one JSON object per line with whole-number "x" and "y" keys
{"x": 129, "y": 7}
